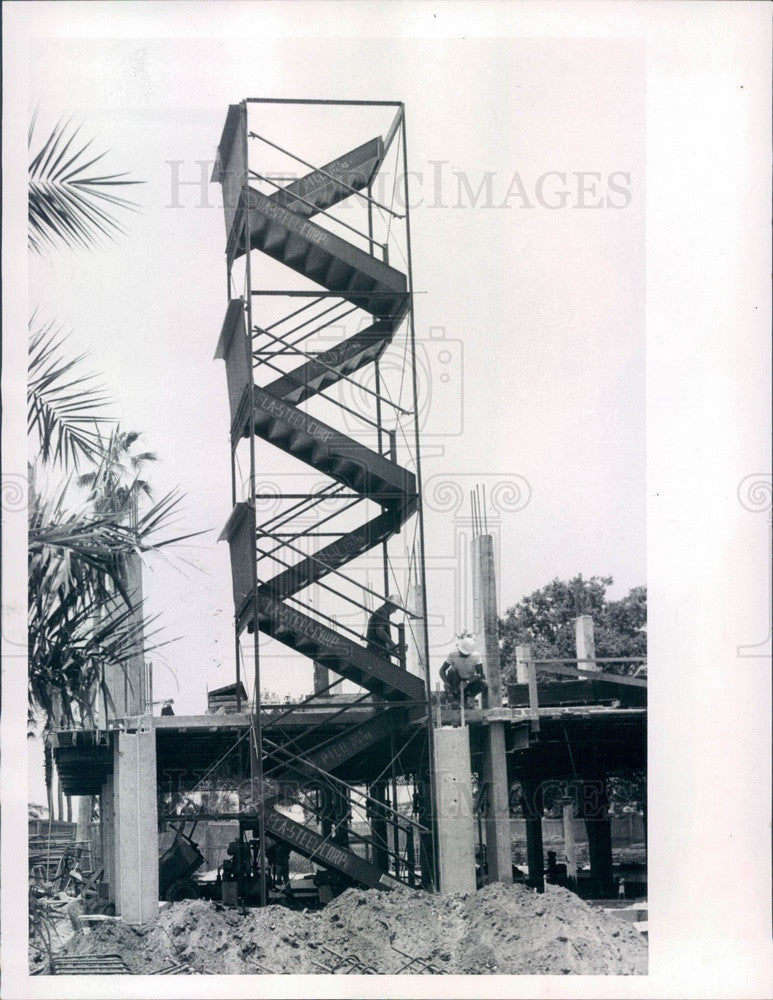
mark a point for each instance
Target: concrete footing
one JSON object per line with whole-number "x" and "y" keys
{"x": 455, "y": 820}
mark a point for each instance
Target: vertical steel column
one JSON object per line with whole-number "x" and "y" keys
{"x": 377, "y": 369}
{"x": 257, "y": 726}
{"x": 420, "y": 509}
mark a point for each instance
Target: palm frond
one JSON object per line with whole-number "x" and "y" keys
{"x": 67, "y": 205}
{"x": 64, "y": 402}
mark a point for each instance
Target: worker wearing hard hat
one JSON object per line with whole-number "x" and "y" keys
{"x": 463, "y": 665}
{"x": 379, "y": 634}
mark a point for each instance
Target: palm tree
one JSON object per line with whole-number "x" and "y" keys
{"x": 115, "y": 485}
{"x": 80, "y": 614}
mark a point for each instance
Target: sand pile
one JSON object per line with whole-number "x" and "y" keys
{"x": 500, "y": 929}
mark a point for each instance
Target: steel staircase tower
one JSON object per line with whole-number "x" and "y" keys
{"x": 285, "y": 224}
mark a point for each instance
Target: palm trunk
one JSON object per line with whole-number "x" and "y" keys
{"x": 48, "y": 764}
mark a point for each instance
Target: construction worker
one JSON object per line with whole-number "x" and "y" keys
{"x": 278, "y": 856}
{"x": 463, "y": 664}
{"x": 167, "y": 707}
{"x": 379, "y": 634}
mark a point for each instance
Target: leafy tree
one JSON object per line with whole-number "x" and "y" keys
{"x": 545, "y": 619}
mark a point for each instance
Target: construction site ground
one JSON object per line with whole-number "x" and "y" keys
{"x": 500, "y": 930}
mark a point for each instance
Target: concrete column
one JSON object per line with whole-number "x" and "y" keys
{"x": 455, "y": 820}
{"x": 416, "y": 653}
{"x": 136, "y": 826}
{"x": 599, "y": 828}
{"x": 325, "y": 812}
{"x": 340, "y": 804}
{"x": 532, "y": 807}
{"x": 484, "y": 606}
{"x": 126, "y": 682}
{"x": 426, "y": 817}
{"x": 523, "y": 656}
{"x": 107, "y": 831}
{"x": 322, "y": 680}
{"x": 570, "y": 844}
{"x": 83, "y": 828}
{"x": 321, "y": 677}
{"x": 586, "y": 643}
{"x": 498, "y": 835}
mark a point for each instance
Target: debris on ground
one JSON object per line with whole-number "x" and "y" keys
{"x": 500, "y": 930}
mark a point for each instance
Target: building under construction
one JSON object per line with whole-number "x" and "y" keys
{"x": 369, "y": 775}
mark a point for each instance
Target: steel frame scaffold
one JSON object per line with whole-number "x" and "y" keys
{"x": 329, "y": 239}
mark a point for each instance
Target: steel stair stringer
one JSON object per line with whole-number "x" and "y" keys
{"x": 321, "y": 849}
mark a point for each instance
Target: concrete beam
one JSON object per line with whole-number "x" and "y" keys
{"x": 455, "y": 820}
{"x": 136, "y": 826}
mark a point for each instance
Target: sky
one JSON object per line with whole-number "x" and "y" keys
{"x": 538, "y": 299}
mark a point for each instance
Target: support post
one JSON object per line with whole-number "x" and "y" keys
{"x": 341, "y": 813}
{"x": 532, "y": 808}
{"x": 570, "y": 844}
{"x": 526, "y": 673}
{"x": 326, "y": 811}
{"x": 83, "y": 828}
{"x": 523, "y": 657}
{"x": 586, "y": 643}
{"x": 136, "y": 826}
{"x": 427, "y": 855}
{"x": 378, "y": 826}
{"x": 455, "y": 822}
{"x": 498, "y": 835}
{"x": 321, "y": 677}
{"x": 107, "y": 832}
{"x": 599, "y": 827}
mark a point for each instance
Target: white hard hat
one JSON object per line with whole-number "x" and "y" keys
{"x": 465, "y": 645}
{"x": 395, "y": 599}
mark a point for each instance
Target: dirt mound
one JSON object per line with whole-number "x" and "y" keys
{"x": 500, "y": 929}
